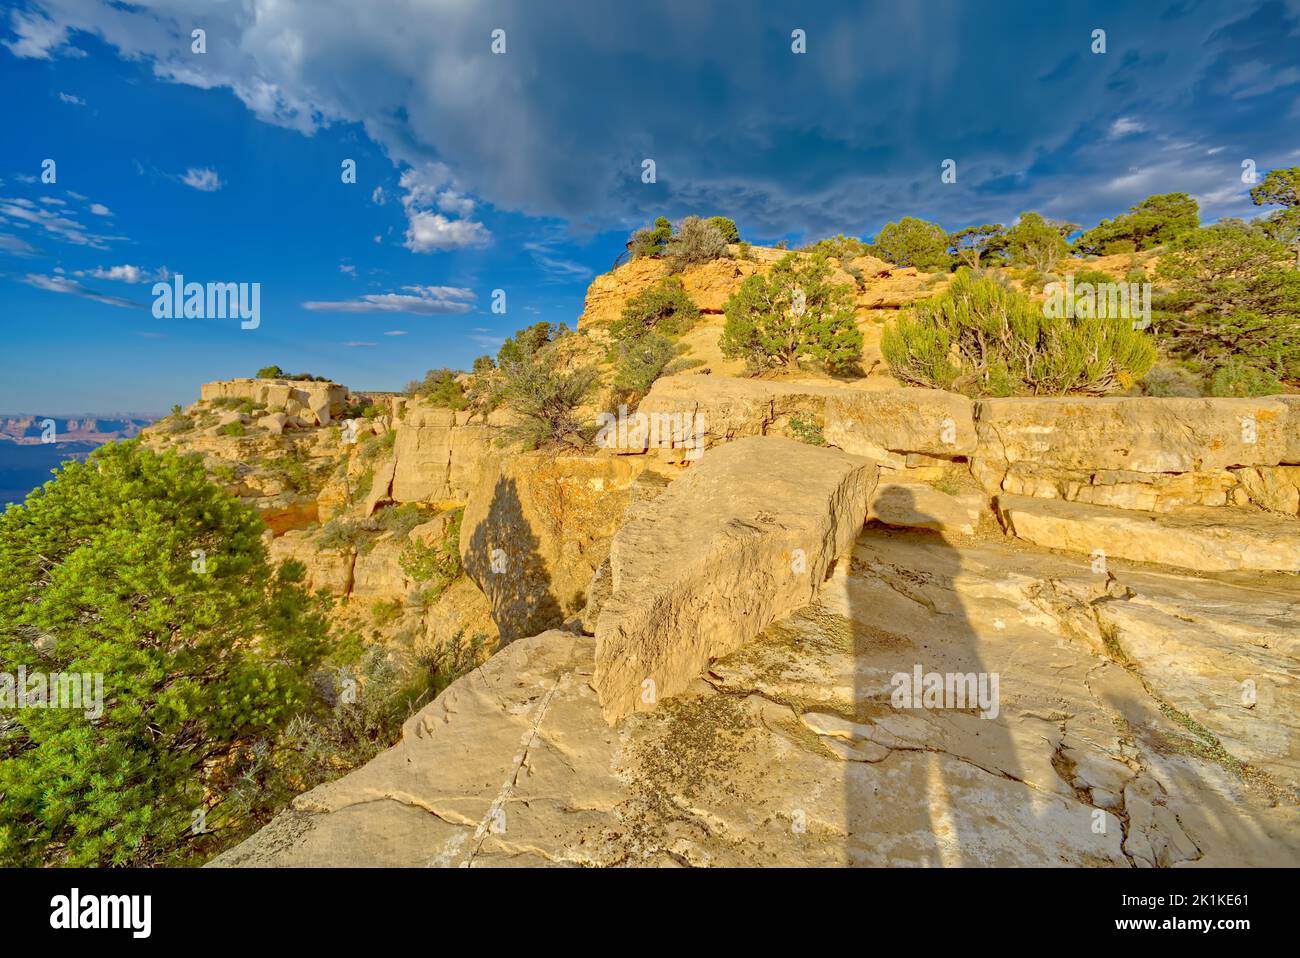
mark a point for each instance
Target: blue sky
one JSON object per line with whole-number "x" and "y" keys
{"x": 522, "y": 170}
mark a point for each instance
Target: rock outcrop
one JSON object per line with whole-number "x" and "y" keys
{"x": 438, "y": 454}
{"x": 746, "y": 536}
{"x": 315, "y": 402}
{"x": 789, "y": 751}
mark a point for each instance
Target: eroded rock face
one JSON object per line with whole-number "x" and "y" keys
{"x": 1205, "y": 539}
{"x": 322, "y": 400}
{"x": 790, "y": 751}
{"x": 438, "y": 455}
{"x": 1143, "y": 435}
{"x": 535, "y": 530}
{"x": 746, "y": 536}
{"x": 887, "y": 424}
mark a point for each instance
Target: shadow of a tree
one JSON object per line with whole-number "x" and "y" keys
{"x": 503, "y": 558}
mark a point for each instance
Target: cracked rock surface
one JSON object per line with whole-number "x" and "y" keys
{"x": 1124, "y": 735}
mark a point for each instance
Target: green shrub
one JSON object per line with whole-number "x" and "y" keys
{"x": 983, "y": 338}
{"x": 641, "y": 359}
{"x": 914, "y": 242}
{"x": 765, "y": 328}
{"x": 807, "y": 431}
{"x": 400, "y": 520}
{"x": 545, "y": 388}
{"x": 385, "y": 611}
{"x": 233, "y": 429}
{"x": 1153, "y": 222}
{"x": 727, "y": 227}
{"x": 275, "y": 372}
{"x": 339, "y": 533}
{"x": 1234, "y": 297}
{"x": 438, "y": 564}
{"x": 650, "y": 241}
{"x": 843, "y": 248}
{"x": 1094, "y": 276}
{"x": 1037, "y": 242}
{"x": 1237, "y": 377}
{"x": 663, "y": 308}
{"x": 1166, "y": 381}
{"x": 743, "y": 250}
{"x": 696, "y": 241}
{"x": 441, "y": 388}
{"x": 197, "y": 665}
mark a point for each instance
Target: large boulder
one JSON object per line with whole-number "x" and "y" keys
{"x": 746, "y": 536}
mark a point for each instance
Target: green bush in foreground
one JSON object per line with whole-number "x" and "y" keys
{"x": 201, "y": 656}
{"x": 983, "y": 338}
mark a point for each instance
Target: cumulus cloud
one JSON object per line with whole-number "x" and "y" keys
{"x": 202, "y": 179}
{"x": 426, "y": 231}
{"x": 70, "y": 98}
{"x": 523, "y": 135}
{"x": 420, "y": 300}
{"x": 99, "y": 209}
{"x": 61, "y": 284}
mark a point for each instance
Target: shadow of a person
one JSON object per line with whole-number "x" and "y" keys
{"x": 947, "y": 793}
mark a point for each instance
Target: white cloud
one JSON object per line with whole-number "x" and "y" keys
{"x": 432, "y": 231}
{"x": 1126, "y": 126}
{"x": 395, "y": 332}
{"x": 356, "y": 345}
{"x": 59, "y": 223}
{"x": 14, "y": 246}
{"x": 420, "y": 300}
{"x": 69, "y": 98}
{"x": 378, "y": 197}
{"x": 38, "y": 37}
{"x": 60, "y": 284}
{"x": 347, "y": 269}
{"x": 202, "y": 179}
{"x": 426, "y": 231}
{"x": 449, "y": 201}
{"x": 99, "y": 209}
{"x": 125, "y": 273}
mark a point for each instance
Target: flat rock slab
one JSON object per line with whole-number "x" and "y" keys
{"x": 746, "y": 536}
{"x": 1203, "y": 539}
{"x": 791, "y": 752}
{"x": 1143, "y": 434}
